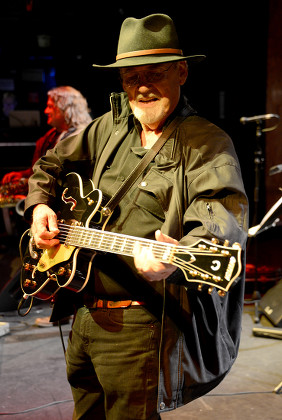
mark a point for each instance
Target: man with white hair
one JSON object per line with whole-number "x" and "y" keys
{"x": 67, "y": 113}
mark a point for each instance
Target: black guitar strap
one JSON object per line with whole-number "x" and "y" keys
{"x": 140, "y": 167}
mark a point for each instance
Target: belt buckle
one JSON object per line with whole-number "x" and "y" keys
{"x": 119, "y": 304}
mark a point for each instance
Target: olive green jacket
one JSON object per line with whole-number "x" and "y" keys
{"x": 197, "y": 181}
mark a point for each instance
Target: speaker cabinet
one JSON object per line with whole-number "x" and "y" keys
{"x": 271, "y": 304}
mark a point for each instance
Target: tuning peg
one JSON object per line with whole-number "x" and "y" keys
{"x": 215, "y": 241}
{"x": 210, "y": 289}
{"x": 226, "y": 242}
{"x": 193, "y": 273}
{"x": 200, "y": 287}
{"x": 221, "y": 293}
{"x": 225, "y": 252}
{"x": 213, "y": 249}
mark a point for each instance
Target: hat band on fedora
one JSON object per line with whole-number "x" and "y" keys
{"x": 149, "y": 52}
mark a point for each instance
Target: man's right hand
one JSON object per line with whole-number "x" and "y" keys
{"x": 11, "y": 177}
{"x": 44, "y": 227}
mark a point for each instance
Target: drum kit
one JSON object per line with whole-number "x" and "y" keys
{"x": 12, "y": 195}
{"x": 12, "y": 192}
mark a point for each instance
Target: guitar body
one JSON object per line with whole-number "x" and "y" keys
{"x": 44, "y": 272}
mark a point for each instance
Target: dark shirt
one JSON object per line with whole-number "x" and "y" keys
{"x": 132, "y": 211}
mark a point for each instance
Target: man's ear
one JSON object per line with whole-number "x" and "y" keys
{"x": 183, "y": 72}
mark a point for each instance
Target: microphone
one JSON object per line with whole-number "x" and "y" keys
{"x": 275, "y": 169}
{"x": 258, "y": 118}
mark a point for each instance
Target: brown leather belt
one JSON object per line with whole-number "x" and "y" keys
{"x": 102, "y": 303}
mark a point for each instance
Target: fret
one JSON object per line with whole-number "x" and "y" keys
{"x": 83, "y": 239}
{"x": 95, "y": 239}
{"x": 113, "y": 243}
{"x": 123, "y": 244}
{"x": 99, "y": 244}
{"x": 167, "y": 254}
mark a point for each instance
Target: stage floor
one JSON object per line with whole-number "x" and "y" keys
{"x": 33, "y": 382}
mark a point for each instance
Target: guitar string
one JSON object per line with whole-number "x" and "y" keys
{"x": 104, "y": 242}
{"x": 104, "y": 238}
{"x": 128, "y": 250}
{"x": 125, "y": 245}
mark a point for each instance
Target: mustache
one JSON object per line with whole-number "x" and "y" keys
{"x": 147, "y": 96}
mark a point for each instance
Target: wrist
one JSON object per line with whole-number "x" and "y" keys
{"x": 37, "y": 208}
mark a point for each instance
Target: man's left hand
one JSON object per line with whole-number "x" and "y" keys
{"x": 148, "y": 265}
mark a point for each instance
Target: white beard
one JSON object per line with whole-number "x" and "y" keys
{"x": 149, "y": 116}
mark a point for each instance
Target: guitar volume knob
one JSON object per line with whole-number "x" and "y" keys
{"x": 30, "y": 283}
{"x": 61, "y": 271}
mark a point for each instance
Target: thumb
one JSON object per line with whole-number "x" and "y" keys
{"x": 161, "y": 237}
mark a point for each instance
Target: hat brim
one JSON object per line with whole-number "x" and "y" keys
{"x": 150, "y": 59}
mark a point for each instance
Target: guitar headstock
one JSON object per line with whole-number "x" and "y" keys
{"x": 209, "y": 263}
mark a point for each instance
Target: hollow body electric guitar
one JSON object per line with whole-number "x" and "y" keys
{"x": 69, "y": 264}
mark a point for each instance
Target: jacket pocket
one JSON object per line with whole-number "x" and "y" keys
{"x": 154, "y": 193}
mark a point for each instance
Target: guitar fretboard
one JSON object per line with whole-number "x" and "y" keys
{"x": 116, "y": 243}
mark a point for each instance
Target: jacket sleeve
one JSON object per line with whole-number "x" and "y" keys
{"x": 216, "y": 203}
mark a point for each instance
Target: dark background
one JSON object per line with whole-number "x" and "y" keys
{"x": 230, "y": 83}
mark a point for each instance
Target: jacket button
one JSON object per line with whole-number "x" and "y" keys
{"x": 162, "y": 406}
{"x": 143, "y": 184}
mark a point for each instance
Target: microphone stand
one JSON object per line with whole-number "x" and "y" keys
{"x": 258, "y": 168}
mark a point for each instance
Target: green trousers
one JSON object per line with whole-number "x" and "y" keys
{"x": 113, "y": 363}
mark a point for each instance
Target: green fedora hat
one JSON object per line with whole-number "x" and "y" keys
{"x": 150, "y": 40}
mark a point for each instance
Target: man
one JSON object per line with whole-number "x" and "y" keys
{"x": 67, "y": 113}
{"x": 144, "y": 340}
